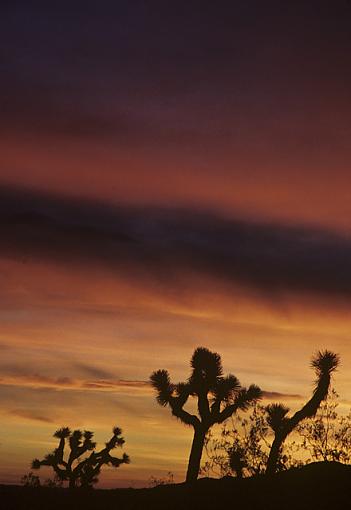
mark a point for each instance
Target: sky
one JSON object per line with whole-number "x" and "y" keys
{"x": 172, "y": 174}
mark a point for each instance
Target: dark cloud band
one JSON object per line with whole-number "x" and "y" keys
{"x": 168, "y": 244}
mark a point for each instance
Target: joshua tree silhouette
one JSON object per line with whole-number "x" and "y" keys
{"x": 323, "y": 363}
{"x": 78, "y": 471}
{"x": 218, "y": 397}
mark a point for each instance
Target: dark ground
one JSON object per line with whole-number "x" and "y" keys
{"x": 316, "y": 486}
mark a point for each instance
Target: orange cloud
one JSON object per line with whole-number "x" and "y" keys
{"x": 41, "y": 381}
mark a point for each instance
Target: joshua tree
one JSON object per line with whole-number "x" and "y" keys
{"x": 323, "y": 363}
{"x": 75, "y": 469}
{"x": 218, "y": 397}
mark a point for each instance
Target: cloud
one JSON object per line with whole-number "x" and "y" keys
{"x": 167, "y": 246}
{"x": 92, "y": 371}
{"x": 121, "y": 385}
{"x": 132, "y": 80}
{"x": 276, "y": 395}
{"x": 36, "y": 380}
{"x": 30, "y": 415}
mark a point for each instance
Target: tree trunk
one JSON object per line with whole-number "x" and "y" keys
{"x": 195, "y": 455}
{"x": 274, "y": 455}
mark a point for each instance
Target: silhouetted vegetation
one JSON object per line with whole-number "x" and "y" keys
{"x": 33, "y": 481}
{"x": 165, "y": 480}
{"x": 324, "y": 364}
{"x": 242, "y": 447}
{"x": 53, "y": 483}
{"x": 317, "y": 486}
{"x": 251, "y": 443}
{"x": 327, "y": 436}
{"x": 218, "y": 397}
{"x": 30, "y": 480}
{"x": 73, "y": 467}
{"x": 243, "y": 444}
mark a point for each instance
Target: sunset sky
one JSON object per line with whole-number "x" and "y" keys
{"x": 172, "y": 174}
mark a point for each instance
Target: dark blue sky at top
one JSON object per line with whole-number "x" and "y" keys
{"x": 129, "y": 67}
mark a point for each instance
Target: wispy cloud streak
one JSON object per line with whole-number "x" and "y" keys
{"x": 67, "y": 383}
{"x": 120, "y": 385}
{"x": 30, "y": 415}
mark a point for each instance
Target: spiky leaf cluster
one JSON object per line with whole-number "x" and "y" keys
{"x": 276, "y": 416}
{"x": 218, "y": 396}
{"x": 325, "y": 362}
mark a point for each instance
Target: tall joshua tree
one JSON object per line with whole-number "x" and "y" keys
{"x": 323, "y": 363}
{"x": 78, "y": 470}
{"x": 218, "y": 397}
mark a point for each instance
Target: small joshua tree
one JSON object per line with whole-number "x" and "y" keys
{"x": 75, "y": 469}
{"x": 324, "y": 364}
{"x": 218, "y": 397}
